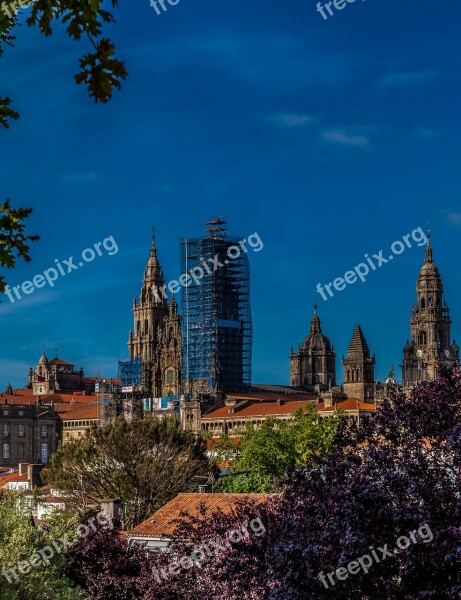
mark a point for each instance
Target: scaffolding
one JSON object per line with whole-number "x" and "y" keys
{"x": 218, "y": 330}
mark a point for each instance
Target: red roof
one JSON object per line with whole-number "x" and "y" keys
{"x": 163, "y": 522}
{"x": 77, "y": 411}
{"x": 260, "y": 409}
{"x": 59, "y": 361}
{"x": 349, "y": 404}
{"x": 13, "y": 478}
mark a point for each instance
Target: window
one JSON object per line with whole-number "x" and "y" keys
{"x": 21, "y": 431}
{"x": 5, "y": 412}
{"x": 6, "y": 451}
{"x": 170, "y": 376}
{"x": 20, "y": 413}
{"x": 44, "y": 431}
{"x": 422, "y": 338}
{"x": 6, "y": 430}
{"x": 44, "y": 454}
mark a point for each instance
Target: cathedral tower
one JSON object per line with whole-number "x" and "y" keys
{"x": 149, "y": 315}
{"x": 430, "y": 325}
{"x": 156, "y": 339}
{"x": 359, "y": 369}
{"x": 315, "y": 361}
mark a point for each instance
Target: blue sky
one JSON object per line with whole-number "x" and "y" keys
{"x": 331, "y": 139}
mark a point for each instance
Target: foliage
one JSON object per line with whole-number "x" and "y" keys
{"x": 13, "y": 239}
{"x": 99, "y": 69}
{"x": 263, "y": 456}
{"x": 143, "y": 462}
{"x": 19, "y": 540}
{"x": 387, "y": 478}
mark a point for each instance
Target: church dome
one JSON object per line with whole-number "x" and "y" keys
{"x": 316, "y": 340}
{"x": 429, "y": 271}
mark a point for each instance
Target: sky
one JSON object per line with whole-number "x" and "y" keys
{"x": 330, "y": 138}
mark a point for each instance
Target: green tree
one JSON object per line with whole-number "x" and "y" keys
{"x": 261, "y": 457}
{"x": 13, "y": 240}
{"x": 19, "y": 540}
{"x": 100, "y": 70}
{"x": 143, "y": 462}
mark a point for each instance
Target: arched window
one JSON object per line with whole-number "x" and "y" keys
{"x": 348, "y": 375}
{"x": 422, "y": 338}
{"x": 138, "y": 327}
{"x": 170, "y": 376}
{"x": 146, "y": 326}
{"x": 423, "y": 303}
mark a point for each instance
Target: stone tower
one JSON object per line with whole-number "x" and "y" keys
{"x": 315, "y": 361}
{"x": 156, "y": 339}
{"x": 359, "y": 369}
{"x": 168, "y": 365}
{"x": 149, "y": 316}
{"x": 430, "y": 325}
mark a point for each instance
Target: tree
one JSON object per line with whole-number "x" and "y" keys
{"x": 397, "y": 475}
{"x": 381, "y": 516}
{"x": 100, "y": 71}
{"x": 19, "y": 540}
{"x": 13, "y": 240}
{"x": 262, "y": 457}
{"x": 143, "y": 462}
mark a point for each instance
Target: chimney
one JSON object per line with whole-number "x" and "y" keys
{"x": 280, "y": 402}
{"x": 113, "y": 508}
{"x": 33, "y": 476}
{"x": 23, "y": 468}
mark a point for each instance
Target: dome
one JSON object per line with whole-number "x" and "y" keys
{"x": 316, "y": 340}
{"x": 429, "y": 270}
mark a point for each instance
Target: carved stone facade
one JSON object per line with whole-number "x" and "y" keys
{"x": 56, "y": 376}
{"x": 156, "y": 338}
{"x": 430, "y": 325}
{"x": 359, "y": 369}
{"x": 314, "y": 364}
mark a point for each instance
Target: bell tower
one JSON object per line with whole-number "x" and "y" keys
{"x": 149, "y": 313}
{"x": 359, "y": 369}
{"x": 430, "y": 326}
{"x": 314, "y": 364}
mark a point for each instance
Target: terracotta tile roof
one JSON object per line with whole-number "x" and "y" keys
{"x": 77, "y": 411}
{"x": 59, "y": 361}
{"x": 12, "y": 478}
{"x": 349, "y": 404}
{"x": 271, "y": 396}
{"x": 162, "y": 524}
{"x": 260, "y": 409}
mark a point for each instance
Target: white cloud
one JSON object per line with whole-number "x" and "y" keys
{"x": 336, "y": 136}
{"x": 405, "y": 78}
{"x": 455, "y": 218}
{"x": 426, "y": 133}
{"x": 292, "y": 120}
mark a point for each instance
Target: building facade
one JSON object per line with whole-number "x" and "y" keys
{"x": 56, "y": 376}
{"x": 359, "y": 369}
{"x": 314, "y": 364}
{"x": 155, "y": 342}
{"x": 29, "y": 432}
{"x": 430, "y": 328}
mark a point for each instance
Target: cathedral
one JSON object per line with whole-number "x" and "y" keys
{"x": 430, "y": 325}
{"x": 156, "y": 338}
{"x": 313, "y": 366}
